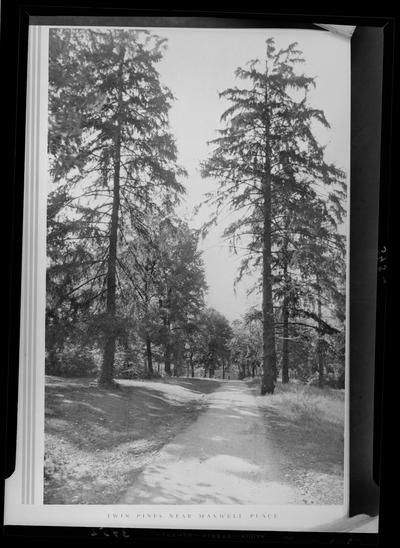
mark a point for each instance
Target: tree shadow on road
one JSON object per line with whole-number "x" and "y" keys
{"x": 95, "y": 438}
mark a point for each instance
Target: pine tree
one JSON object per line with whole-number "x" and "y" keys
{"x": 310, "y": 250}
{"x": 267, "y": 161}
{"x": 115, "y": 152}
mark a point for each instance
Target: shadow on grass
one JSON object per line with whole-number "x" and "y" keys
{"x": 97, "y": 440}
{"x": 199, "y": 385}
{"x": 306, "y": 425}
{"x": 93, "y": 418}
{"x": 315, "y": 445}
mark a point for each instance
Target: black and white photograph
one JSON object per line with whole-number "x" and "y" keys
{"x": 196, "y": 258}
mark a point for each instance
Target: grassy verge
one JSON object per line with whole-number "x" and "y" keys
{"x": 98, "y": 440}
{"x": 306, "y": 425}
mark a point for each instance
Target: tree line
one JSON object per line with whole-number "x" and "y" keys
{"x": 126, "y": 286}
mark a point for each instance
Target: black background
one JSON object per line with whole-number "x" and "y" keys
{"x": 373, "y": 111}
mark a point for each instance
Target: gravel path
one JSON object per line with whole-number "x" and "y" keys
{"x": 224, "y": 457}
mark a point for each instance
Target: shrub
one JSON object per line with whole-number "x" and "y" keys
{"x": 72, "y": 361}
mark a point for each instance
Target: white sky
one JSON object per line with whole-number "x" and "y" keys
{"x": 198, "y": 64}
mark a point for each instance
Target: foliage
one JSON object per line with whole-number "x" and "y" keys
{"x": 213, "y": 342}
{"x": 287, "y": 200}
{"x": 112, "y": 161}
{"x": 126, "y": 286}
{"x": 246, "y": 346}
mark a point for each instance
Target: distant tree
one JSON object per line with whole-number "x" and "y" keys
{"x": 246, "y": 345}
{"x": 215, "y": 335}
{"x": 193, "y": 342}
{"x": 163, "y": 274}
{"x": 184, "y": 289}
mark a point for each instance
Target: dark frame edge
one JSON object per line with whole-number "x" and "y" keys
{"x": 384, "y": 247}
{"x": 16, "y": 96}
{"x": 16, "y": 174}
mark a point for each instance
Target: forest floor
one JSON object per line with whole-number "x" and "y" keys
{"x": 192, "y": 441}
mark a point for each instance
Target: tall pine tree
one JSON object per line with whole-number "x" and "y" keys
{"x": 266, "y": 161}
{"x": 112, "y": 149}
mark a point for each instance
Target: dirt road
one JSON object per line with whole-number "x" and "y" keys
{"x": 224, "y": 457}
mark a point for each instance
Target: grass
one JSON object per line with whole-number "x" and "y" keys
{"x": 306, "y": 424}
{"x": 98, "y": 440}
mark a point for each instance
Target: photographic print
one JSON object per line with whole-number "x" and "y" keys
{"x": 195, "y": 198}
{"x": 196, "y": 253}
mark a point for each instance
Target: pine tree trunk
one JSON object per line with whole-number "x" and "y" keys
{"x": 269, "y": 353}
{"x": 51, "y": 361}
{"x": 321, "y": 379}
{"x": 167, "y": 323}
{"x": 191, "y": 364}
{"x": 167, "y": 359}
{"x": 321, "y": 374}
{"x": 307, "y": 362}
{"x": 150, "y": 371}
{"x": 107, "y": 370}
{"x": 285, "y": 306}
{"x": 285, "y": 344}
